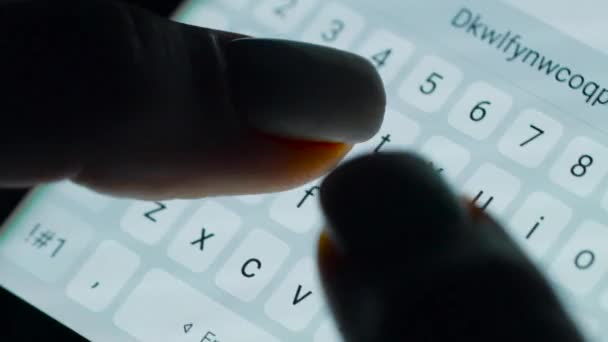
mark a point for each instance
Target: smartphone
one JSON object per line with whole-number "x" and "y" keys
{"x": 509, "y": 110}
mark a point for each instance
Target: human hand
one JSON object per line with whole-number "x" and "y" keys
{"x": 403, "y": 259}
{"x": 130, "y": 104}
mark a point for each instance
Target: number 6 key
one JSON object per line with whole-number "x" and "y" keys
{"x": 480, "y": 111}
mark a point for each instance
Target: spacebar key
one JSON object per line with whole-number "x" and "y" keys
{"x": 163, "y": 308}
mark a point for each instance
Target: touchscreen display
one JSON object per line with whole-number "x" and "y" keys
{"x": 509, "y": 110}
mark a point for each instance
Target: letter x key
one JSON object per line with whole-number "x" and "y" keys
{"x": 204, "y": 237}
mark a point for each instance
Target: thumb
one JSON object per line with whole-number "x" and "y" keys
{"x": 403, "y": 260}
{"x": 120, "y": 99}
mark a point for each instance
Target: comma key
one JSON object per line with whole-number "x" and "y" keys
{"x": 103, "y": 276}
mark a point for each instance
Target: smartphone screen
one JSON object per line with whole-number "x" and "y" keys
{"x": 512, "y": 112}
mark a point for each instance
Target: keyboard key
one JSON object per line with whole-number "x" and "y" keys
{"x": 163, "y": 308}
{"x": 253, "y": 265}
{"x": 336, "y": 26}
{"x": 539, "y": 222}
{"x": 236, "y": 4}
{"x": 430, "y": 85}
{"x": 492, "y": 188}
{"x": 604, "y": 300}
{"x": 448, "y": 158}
{"x": 581, "y": 167}
{"x": 204, "y": 16}
{"x": 204, "y": 236}
{"x": 298, "y": 210}
{"x": 604, "y": 202}
{"x": 103, "y": 275}
{"x": 388, "y": 52}
{"x": 584, "y": 260}
{"x": 398, "y": 133}
{"x": 480, "y": 110}
{"x": 328, "y": 332}
{"x": 83, "y": 196}
{"x": 589, "y": 325}
{"x": 47, "y": 241}
{"x": 283, "y": 15}
{"x": 148, "y": 222}
{"x": 298, "y": 299}
{"x": 530, "y": 139}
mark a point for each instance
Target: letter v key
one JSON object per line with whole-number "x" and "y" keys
{"x": 296, "y": 302}
{"x": 299, "y": 296}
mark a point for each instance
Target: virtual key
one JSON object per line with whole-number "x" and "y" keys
{"x": 47, "y": 241}
{"x": 163, "y": 308}
{"x": 103, "y": 276}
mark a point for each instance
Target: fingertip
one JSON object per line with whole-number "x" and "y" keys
{"x": 397, "y": 192}
{"x": 305, "y": 91}
{"x": 307, "y": 160}
{"x": 258, "y": 163}
{"x": 400, "y": 248}
{"x": 328, "y": 254}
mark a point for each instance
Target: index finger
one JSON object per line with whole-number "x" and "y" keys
{"x": 403, "y": 260}
{"x": 132, "y": 104}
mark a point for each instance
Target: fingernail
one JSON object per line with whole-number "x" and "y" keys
{"x": 328, "y": 254}
{"x": 389, "y": 203}
{"x": 304, "y": 91}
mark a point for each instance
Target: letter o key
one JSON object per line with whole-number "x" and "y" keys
{"x": 584, "y": 260}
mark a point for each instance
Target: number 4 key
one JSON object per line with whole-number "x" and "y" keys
{"x": 388, "y": 52}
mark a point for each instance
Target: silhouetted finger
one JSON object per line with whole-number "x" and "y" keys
{"x": 403, "y": 260}
{"x": 130, "y": 103}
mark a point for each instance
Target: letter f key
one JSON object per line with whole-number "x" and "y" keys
{"x": 308, "y": 193}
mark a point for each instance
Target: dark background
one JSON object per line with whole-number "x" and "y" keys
{"x": 20, "y": 321}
